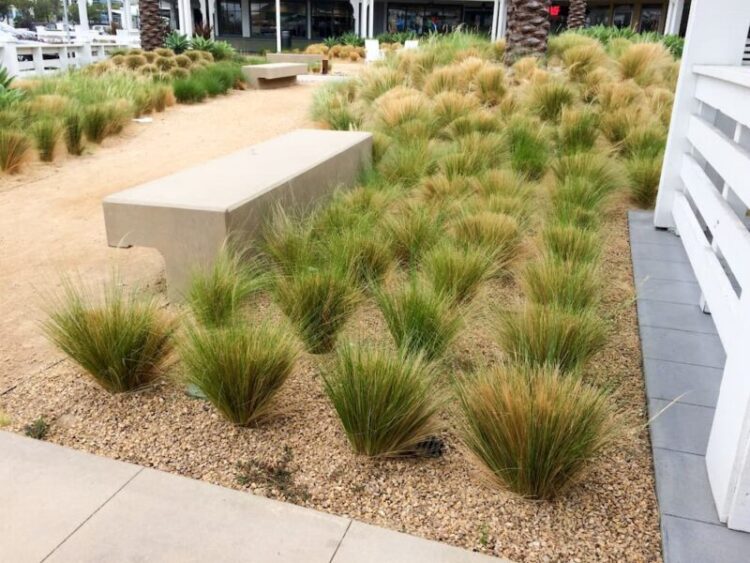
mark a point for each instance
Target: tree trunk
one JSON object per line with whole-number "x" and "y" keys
{"x": 152, "y": 27}
{"x": 577, "y": 14}
{"x": 528, "y": 28}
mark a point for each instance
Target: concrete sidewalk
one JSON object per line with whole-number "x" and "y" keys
{"x": 60, "y": 504}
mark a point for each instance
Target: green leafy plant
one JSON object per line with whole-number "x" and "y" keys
{"x": 240, "y": 369}
{"x": 177, "y": 42}
{"x": 122, "y": 341}
{"x": 387, "y": 402}
{"x": 535, "y": 432}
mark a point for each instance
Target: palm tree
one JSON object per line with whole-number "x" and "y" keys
{"x": 152, "y": 26}
{"x": 528, "y": 28}
{"x": 577, "y": 14}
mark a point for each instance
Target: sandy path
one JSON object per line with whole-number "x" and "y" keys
{"x": 51, "y": 220}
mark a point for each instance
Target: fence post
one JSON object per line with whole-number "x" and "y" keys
{"x": 9, "y": 56}
{"x": 716, "y": 35}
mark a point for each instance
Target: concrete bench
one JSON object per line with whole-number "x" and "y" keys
{"x": 187, "y": 216}
{"x": 306, "y": 58}
{"x": 273, "y": 74}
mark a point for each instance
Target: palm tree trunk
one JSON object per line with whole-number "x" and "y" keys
{"x": 577, "y": 14}
{"x": 528, "y": 28}
{"x": 152, "y": 27}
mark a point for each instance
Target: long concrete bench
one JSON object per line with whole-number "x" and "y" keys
{"x": 306, "y": 58}
{"x": 187, "y": 216}
{"x": 273, "y": 75}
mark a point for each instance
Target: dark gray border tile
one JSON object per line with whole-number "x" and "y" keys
{"x": 697, "y": 385}
{"x": 688, "y": 541}
{"x": 679, "y": 426}
{"x": 674, "y": 315}
{"x": 681, "y": 346}
{"x": 682, "y": 486}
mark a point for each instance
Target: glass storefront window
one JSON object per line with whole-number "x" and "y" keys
{"x": 558, "y": 18}
{"x": 478, "y": 20}
{"x": 229, "y": 14}
{"x": 622, "y": 16}
{"x": 650, "y": 17}
{"x": 597, "y": 15}
{"x": 330, "y": 19}
{"x": 293, "y": 18}
{"x": 423, "y": 18}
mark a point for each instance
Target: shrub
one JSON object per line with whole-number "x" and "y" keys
{"x": 318, "y": 302}
{"x": 240, "y": 369}
{"x": 122, "y": 341}
{"x": 567, "y": 285}
{"x": 549, "y": 98}
{"x": 73, "y": 132}
{"x": 217, "y": 293}
{"x": 165, "y": 64}
{"x": 14, "y": 147}
{"x": 134, "y": 62}
{"x": 535, "y": 432}
{"x": 538, "y": 335}
{"x": 420, "y": 319}
{"x": 164, "y": 52}
{"x": 46, "y": 133}
{"x": 457, "y": 272}
{"x": 644, "y": 174}
{"x": 570, "y": 243}
{"x": 189, "y": 90}
{"x": 386, "y": 402}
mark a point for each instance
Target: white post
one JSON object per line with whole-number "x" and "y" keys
{"x": 245, "y": 8}
{"x": 716, "y": 35}
{"x": 495, "y": 9}
{"x": 371, "y": 20}
{"x": 83, "y": 19}
{"x": 674, "y": 17}
{"x": 502, "y": 21}
{"x": 9, "y": 54}
{"x": 211, "y": 19}
{"x": 126, "y": 19}
{"x": 188, "y": 8}
{"x": 109, "y": 12}
{"x": 278, "y": 26}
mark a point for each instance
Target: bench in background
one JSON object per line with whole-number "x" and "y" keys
{"x": 273, "y": 75}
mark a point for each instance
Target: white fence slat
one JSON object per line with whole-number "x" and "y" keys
{"x": 729, "y": 232}
{"x": 726, "y": 92}
{"x": 729, "y": 160}
{"x": 716, "y": 287}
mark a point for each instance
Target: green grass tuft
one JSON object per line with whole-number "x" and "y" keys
{"x": 566, "y": 242}
{"x": 566, "y": 285}
{"x": 457, "y": 272}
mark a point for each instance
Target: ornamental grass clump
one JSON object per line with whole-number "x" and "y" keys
{"x": 529, "y": 149}
{"x": 318, "y": 302}
{"x": 97, "y": 122}
{"x": 473, "y": 153}
{"x": 458, "y": 271}
{"x": 412, "y": 231}
{"x": 496, "y": 234}
{"x": 567, "y": 285}
{"x": 420, "y": 319}
{"x": 601, "y": 172}
{"x": 123, "y": 340}
{"x": 578, "y": 131}
{"x": 46, "y": 133}
{"x": 548, "y": 99}
{"x": 490, "y": 85}
{"x": 14, "y": 148}
{"x": 240, "y": 369}
{"x": 565, "y": 242}
{"x": 217, "y": 293}
{"x": 288, "y": 242}
{"x": 366, "y": 254}
{"x": 550, "y": 336}
{"x": 73, "y": 132}
{"x": 644, "y": 141}
{"x": 644, "y": 174}
{"x": 387, "y": 401}
{"x": 535, "y": 432}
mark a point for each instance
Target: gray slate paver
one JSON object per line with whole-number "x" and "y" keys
{"x": 682, "y": 486}
{"x": 654, "y": 251}
{"x": 669, "y": 291}
{"x": 677, "y": 316}
{"x": 680, "y": 427}
{"x": 682, "y": 346}
{"x": 645, "y": 269}
{"x": 46, "y": 492}
{"x": 697, "y": 385}
{"x": 689, "y": 541}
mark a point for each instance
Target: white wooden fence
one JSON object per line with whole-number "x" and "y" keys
{"x": 704, "y": 196}
{"x": 25, "y": 60}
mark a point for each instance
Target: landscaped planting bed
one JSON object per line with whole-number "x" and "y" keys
{"x": 449, "y": 349}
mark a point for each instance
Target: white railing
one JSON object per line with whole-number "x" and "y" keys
{"x": 26, "y": 60}
{"x": 704, "y": 195}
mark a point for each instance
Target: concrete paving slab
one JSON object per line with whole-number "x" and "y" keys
{"x": 689, "y": 541}
{"x": 674, "y": 315}
{"x": 369, "y": 544}
{"x": 682, "y": 486}
{"x": 643, "y": 231}
{"x": 680, "y": 346}
{"x": 47, "y": 492}
{"x": 656, "y": 251}
{"x": 162, "y": 517}
{"x": 680, "y": 427}
{"x": 669, "y": 291}
{"x": 696, "y": 385}
{"x": 658, "y": 269}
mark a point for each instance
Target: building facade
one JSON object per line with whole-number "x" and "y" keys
{"x": 250, "y": 25}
